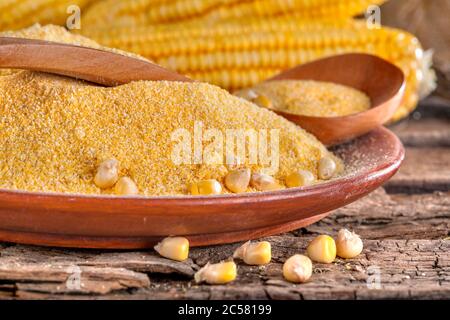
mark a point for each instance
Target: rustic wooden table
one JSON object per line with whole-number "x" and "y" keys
{"x": 405, "y": 226}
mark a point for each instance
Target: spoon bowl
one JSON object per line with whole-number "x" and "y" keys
{"x": 382, "y": 81}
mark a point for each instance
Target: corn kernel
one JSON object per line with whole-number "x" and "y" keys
{"x": 348, "y": 244}
{"x": 238, "y": 180}
{"x": 254, "y": 253}
{"x": 297, "y": 269}
{"x": 107, "y": 174}
{"x": 327, "y": 168}
{"x": 322, "y": 249}
{"x": 247, "y": 94}
{"x": 263, "y": 101}
{"x": 206, "y": 187}
{"x": 218, "y": 273}
{"x": 175, "y": 248}
{"x": 299, "y": 178}
{"x": 263, "y": 182}
{"x": 126, "y": 186}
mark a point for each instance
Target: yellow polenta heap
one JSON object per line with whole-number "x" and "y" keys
{"x": 56, "y": 132}
{"x": 308, "y": 97}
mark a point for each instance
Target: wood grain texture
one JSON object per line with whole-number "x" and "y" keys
{"x": 427, "y": 137}
{"x": 424, "y": 170}
{"x": 382, "y": 81}
{"x": 426, "y": 132}
{"x": 408, "y": 269}
{"x": 390, "y": 216}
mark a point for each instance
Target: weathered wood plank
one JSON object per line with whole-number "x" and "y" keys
{"x": 418, "y": 269}
{"x": 408, "y": 269}
{"x": 382, "y": 216}
{"x": 424, "y": 170}
{"x": 139, "y": 261}
{"x": 427, "y": 132}
{"x": 434, "y": 106}
{"x": 68, "y": 279}
{"x": 36, "y": 271}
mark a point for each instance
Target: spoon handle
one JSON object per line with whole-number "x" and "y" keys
{"x": 94, "y": 65}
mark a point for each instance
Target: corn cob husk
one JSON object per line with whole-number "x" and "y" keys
{"x": 17, "y": 14}
{"x": 236, "y": 55}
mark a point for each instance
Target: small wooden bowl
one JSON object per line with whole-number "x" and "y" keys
{"x": 137, "y": 222}
{"x": 382, "y": 81}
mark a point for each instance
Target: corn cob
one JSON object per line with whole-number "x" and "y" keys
{"x": 16, "y": 14}
{"x": 139, "y": 36}
{"x": 236, "y": 55}
{"x": 151, "y": 12}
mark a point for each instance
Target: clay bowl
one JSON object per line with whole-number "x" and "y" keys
{"x": 382, "y": 81}
{"x": 137, "y": 222}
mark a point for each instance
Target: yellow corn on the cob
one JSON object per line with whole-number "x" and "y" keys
{"x": 237, "y": 55}
{"x": 17, "y": 14}
{"x": 142, "y": 35}
{"x": 151, "y": 12}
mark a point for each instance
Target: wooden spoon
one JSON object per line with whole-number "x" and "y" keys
{"x": 382, "y": 81}
{"x": 94, "y": 65}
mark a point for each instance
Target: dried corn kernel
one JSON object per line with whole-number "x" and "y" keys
{"x": 238, "y": 180}
{"x": 254, "y": 253}
{"x": 218, "y": 273}
{"x": 322, "y": 249}
{"x": 326, "y": 168}
{"x": 297, "y": 269}
{"x": 348, "y": 244}
{"x": 126, "y": 186}
{"x": 107, "y": 174}
{"x": 263, "y": 182}
{"x": 299, "y": 178}
{"x": 206, "y": 187}
{"x": 247, "y": 94}
{"x": 175, "y": 248}
{"x": 263, "y": 101}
